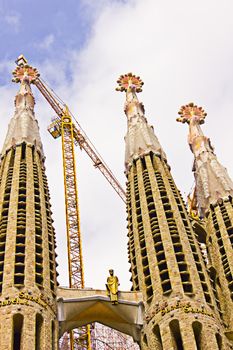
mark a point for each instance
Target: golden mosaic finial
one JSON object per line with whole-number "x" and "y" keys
{"x": 128, "y": 81}
{"x": 188, "y": 111}
{"x": 23, "y": 70}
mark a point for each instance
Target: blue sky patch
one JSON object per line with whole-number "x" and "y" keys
{"x": 42, "y": 29}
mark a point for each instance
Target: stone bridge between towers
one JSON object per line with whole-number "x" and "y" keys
{"x": 78, "y": 307}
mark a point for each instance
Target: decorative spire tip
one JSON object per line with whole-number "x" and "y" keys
{"x": 129, "y": 81}
{"x": 190, "y": 110}
{"x": 21, "y": 60}
{"x": 24, "y": 71}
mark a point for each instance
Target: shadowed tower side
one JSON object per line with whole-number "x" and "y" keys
{"x": 166, "y": 261}
{"x": 28, "y": 280}
{"x": 214, "y": 192}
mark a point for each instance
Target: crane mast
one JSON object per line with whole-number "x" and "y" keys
{"x": 75, "y": 259}
{"x": 79, "y": 339}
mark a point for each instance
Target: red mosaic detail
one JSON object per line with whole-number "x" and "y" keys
{"x": 189, "y": 111}
{"x": 129, "y": 80}
{"x": 25, "y": 72}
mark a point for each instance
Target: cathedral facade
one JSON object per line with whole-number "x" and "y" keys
{"x": 180, "y": 260}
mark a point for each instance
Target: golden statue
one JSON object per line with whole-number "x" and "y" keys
{"x": 192, "y": 204}
{"x": 112, "y": 287}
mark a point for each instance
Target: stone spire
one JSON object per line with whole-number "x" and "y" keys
{"x": 212, "y": 180}
{"x": 28, "y": 278}
{"x": 140, "y": 138}
{"x": 23, "y": 126}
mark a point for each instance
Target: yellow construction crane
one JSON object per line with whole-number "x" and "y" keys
{"x": 72, "y": 134}
{"x": 75, "y": 259}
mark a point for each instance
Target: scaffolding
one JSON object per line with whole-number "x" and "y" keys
{"x": 105, "y": 338}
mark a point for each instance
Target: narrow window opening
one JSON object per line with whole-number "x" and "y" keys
{"x": 162, "y": 266}
{"x": 164, "y": 276}
{"x": 219, "y": 341}
{"x": 17, "y": 331}
{"x": 167, "y": 288}
{"x": 157, "y": 334}
{"x": 188, "y": 288}
{"x": 23, "y": 153}
{"x": 53, "y": 335}
{"x": 185, "y": 277}
{"x": 207, "y": 298}
{"x": 12, "y": 158}
{"x": 39, "y": 323}
{"x": 145, "y": 339}
{"x": 161, "y": 257}
{"x": 176, "y": 335}
{"x": 143, "y": 164}
{"x": 197, "y": 328}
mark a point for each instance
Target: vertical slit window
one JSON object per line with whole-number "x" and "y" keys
{"x": 176, "y": 335}
{"x": 197, "y": 329}
{"x": 157, "y": 334}
{"x": 131, "y": 243}
{"x": 142, "y": 242}
{"x": 193, "y": 247}
{"x": 4, "y": 214}
{"x": 51, "y": 236}
{"x": 222, "y": 251}
{"x": 177, "y": 244}
{"x": 213, "y": 281}
{"x": 219, "y": 341}
{"x": 145, "y": 339}
{"x": 39, "y": 324}
{"x": 38, "y": 229}
{"x": 17, "y": 331}
{"x": 23, "y": 152}
{"x": 19, "y": 274}
{"x": 53, "y": 335}
{"x": 158, "y": 244}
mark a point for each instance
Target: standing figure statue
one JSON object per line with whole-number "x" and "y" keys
{"x": 112, "y": 287}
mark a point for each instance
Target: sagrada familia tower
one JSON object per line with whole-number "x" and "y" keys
{"x": 181, "y": 260}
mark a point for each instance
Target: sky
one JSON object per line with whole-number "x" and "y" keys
{"x": 182, "y": 50}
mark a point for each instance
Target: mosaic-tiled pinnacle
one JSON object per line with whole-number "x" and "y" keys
{"x": 140, "y": 138}
{"x": 212, "y": 180}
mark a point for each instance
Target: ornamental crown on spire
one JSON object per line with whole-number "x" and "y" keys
{"x": 189, "y": 111}
{"x": 129, "y": 81}
{"x": 24, "y": 71}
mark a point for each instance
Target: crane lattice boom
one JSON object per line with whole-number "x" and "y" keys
{"x": 80, "y": 138}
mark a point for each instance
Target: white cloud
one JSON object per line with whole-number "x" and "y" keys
{"x": 5, "y": 66}
{"x": 14, "y": 20}
{"x": 183, "y": 52}
{"x": 47, "y": 42}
